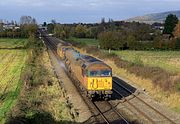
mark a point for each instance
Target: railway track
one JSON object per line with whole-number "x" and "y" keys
{"x": 116, "y": 81}
{"x": 99, "y": 105}
{"x": 103, "y": 111}
{"x": 109, "y": 113}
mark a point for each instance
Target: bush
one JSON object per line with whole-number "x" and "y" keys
{"x": 114, "y": 40}
{"x": 177, "y": 44}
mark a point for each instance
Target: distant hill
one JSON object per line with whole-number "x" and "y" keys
{"x": 154, "y": 17}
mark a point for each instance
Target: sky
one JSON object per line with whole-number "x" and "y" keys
{"x": 86, "y": 11}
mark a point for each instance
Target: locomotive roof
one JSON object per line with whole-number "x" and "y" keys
{"x": 90, "y": 58}
{"x": 89, "y": 61}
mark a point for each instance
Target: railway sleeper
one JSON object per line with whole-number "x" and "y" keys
{"x": 93, "y": 94}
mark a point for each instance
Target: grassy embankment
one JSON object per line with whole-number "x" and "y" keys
{"x": 156, "y": 71}
{"x": 38, "y": 98}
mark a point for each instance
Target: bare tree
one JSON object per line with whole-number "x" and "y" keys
{"x": 27, "y": 20}
{"x": 53, "y": 21}
{"x": 34, "y": 21}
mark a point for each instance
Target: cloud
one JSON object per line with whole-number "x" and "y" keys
{"x": 20, "y": 3}
{"x": 80, "y": 3}
{"x": 84, "y": 10}
{"x": 67, "y": 3}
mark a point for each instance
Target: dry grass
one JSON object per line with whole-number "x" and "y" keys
{"x": 172, "y": 100}
{"x": 54, "y": 100}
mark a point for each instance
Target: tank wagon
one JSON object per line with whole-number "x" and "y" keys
{"x": 93, "y": 75}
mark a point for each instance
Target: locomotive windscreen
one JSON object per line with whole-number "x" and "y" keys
{"x": 98, "y": 73}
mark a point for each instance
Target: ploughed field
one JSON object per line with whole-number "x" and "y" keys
{"x": 167, "y": 60}
{"x": 11, "y": 64}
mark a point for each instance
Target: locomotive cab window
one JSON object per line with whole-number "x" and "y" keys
{"x": 97, "y": 73}
{"x": 106, "y": 73}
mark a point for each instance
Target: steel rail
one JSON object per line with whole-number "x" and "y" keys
{"x": 116, "y": 82}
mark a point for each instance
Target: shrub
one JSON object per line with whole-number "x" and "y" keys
{"x": 177, "y": 44}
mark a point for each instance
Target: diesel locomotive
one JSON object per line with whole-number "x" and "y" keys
{"x": 93, "y": 75}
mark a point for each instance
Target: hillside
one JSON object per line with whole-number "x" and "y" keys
{"x": 154, "y": 17}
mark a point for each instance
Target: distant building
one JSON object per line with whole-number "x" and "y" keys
{"x": 42, "y": 27}
{"x": 158, "y": 26}
{"x": 5, "y": 25}
{"x": 10, "y": 27}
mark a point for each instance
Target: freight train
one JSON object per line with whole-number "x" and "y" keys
{"x": 93, "y": 75}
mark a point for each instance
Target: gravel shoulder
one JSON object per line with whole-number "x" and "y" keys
{"x": 81, "y": 110}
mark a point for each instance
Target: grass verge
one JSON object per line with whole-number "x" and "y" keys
{"x": 41, "y": 101}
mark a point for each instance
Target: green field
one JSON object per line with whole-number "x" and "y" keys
{"x": 87, "y": 41}
{"x": 12, "y": 43}
{"x": 168, "y": 60}
{"x": 11, "y": 64}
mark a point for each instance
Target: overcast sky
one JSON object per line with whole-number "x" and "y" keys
{"x": 68, "y": 11}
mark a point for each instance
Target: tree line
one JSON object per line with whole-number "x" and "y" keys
{"x": 118, "y": 35}
{"x": 27, "y": 26}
